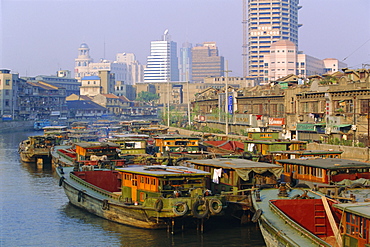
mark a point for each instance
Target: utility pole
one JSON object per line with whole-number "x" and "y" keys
{"x": 168, "y": 102}
{"x": 188, "y": 96}
{"x": 227, "y": 99}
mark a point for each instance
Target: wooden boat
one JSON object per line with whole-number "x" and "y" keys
{"x": 262, "y": 148}
{"x": 87, "y": 153}
{"x": 295, "y": 218}
{"x": 298, "y": 154}
{"x": 131, "y": 143}
{"x": 40, "y": 124}
{"x": 150, "y": 197}
{"x": 36, "y": 148}
{"x": 322, "y": 171}
{"x": 355, "y": 222}
{"x": 236, "y": 178}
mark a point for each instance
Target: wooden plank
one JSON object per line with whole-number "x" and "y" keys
{"x": 333, "y": 225}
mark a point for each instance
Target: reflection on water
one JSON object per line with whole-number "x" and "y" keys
{"x": 36, "y": 212}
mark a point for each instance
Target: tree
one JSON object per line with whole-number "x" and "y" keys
{"x": 145, "y": 96}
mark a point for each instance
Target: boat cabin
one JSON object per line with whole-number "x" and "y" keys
{"x": 131, "y": 144}
{"x": 263, "y": 135}
{"x": 60, "y": 132}
{"x": 297, "y": 154}
{"x": 79, "y": 125}
{"x": 237, "y": 174}
{"x": 265, "y": 147}
{"x": 141, "y": 182}
{"x": 153, "y": 130}
{"x": 323, "y": 170}
{"x": 176, "y": 143}
{"x": 355, "y": 223}
{"x": 92, "y": 153}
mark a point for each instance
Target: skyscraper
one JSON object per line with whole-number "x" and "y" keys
{"x": 269, "y": 21}
{"x": 206, "y": 62}
{"x": 185, "y": 62}
{"x": 162, "y": 64}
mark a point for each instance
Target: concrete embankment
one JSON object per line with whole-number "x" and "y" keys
{"x": 15, "y": 126}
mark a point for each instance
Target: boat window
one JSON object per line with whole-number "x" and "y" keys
{"x": 319, "y": 172}
{"x": 181, "y": 143}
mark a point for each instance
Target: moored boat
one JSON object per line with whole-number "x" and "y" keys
{"x": 149, "y": 197}
{"x": 35, "y": 148}
{"x": 355, "y": 223}
{"x": 295, "y": 218}
{"x": 87, "y": 153}
{"x": 323, "y": 171}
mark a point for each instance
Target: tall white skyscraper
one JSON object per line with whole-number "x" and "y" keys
{"x": 269, "y": 21}
{"x": 162, "y": 64}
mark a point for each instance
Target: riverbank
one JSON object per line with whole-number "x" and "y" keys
{"x": 13, "y": 126}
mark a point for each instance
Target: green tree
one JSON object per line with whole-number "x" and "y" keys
{"x": 145, "y": 96}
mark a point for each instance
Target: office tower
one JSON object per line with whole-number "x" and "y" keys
{"x": 185, "y": 62}
{"x": 162, "y": 64}
{"x": 135, "y": 71}
{"x": 206, "y": 62}
{"x": 268, "y": 21}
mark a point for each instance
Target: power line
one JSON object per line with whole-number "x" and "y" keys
{"x": 356, "y": 49}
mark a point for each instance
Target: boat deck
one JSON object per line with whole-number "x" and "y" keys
{"x": 282, "y": 227}
{"x": 94, "y": 192}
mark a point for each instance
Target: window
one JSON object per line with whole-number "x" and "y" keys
{"x": 7, "y": 82}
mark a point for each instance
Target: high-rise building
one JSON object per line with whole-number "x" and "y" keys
{"x": 206, "y": 62}
{"x": 269, "y": 21}
{"x": 162, "y": 64}
{"x": 135, "y": 71}
{"x": 185, "y": 62}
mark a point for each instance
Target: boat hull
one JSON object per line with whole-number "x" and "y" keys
{"x": 116, "y": 212}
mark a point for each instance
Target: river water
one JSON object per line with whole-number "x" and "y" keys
{"x": 36, "y": 212}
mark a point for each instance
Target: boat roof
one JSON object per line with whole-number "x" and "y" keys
{"x": 361, "y": 209}
{"x": 307, "y": 152}
{"x": 328, "y": 163}
{"x": 176, "y": 137}
{"x": 96, "y": 144}
{"x": 164, "y": 171}
{"x": 234, "y": 163}
{"x": 54, "y": 127}
{"x": 130, "y": 136}
{"x": 271, "y": 142}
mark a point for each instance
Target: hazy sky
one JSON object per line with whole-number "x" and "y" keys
{"x": 40, "y": 37}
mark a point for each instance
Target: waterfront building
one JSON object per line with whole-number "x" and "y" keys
{"x": 243, "y": 82}
{"x": 8, "y": 94}
{"x": 269, "y": 21}
{"x": 185, "y": 64}
{"x": 206, "y": 62}
{"x": 162, "y": 63}
{"x": 62, "y": 79}
{"x": 323, "y": 108}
